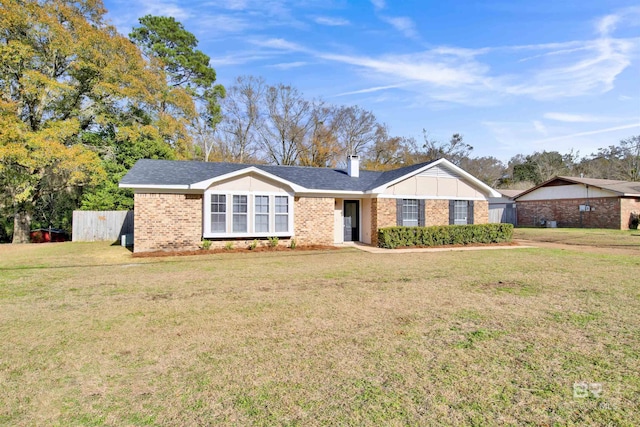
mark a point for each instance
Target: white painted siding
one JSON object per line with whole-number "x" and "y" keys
{"x": 573, "y": 191}
{"x": 250, "y": 183}
{"x": 338, "y": 228}
{"x": 365, "y": 215}
{"x": 432, "y": 186}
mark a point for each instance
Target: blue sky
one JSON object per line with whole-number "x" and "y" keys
{"x": 511, "y": 76}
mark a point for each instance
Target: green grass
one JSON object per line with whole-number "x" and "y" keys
{"x": 626, "y": 239}
{"x": 92, "y": 336}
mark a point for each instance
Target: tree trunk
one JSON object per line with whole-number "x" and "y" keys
{"x": 21, "y": 227}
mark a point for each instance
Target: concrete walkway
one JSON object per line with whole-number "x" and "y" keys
{"x": 376, "y": 250}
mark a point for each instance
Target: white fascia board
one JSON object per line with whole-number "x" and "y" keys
{"x": 475, "y": 181}
{"x": 203, "y": 185}
{"x": 413, "y": 196}
{"x": 154, "y": 187}
{"x": 337, "y": 193}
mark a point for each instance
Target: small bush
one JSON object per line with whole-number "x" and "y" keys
{"x": 228, "y": 246}
{"x": 206, "y": 245}
{"x": 634, "y": 220}
{"x": 393, "y": 237}
{"x": 273, "y": 241}
{"x": 293, "y": 244}
{"x": 253, "y": 244}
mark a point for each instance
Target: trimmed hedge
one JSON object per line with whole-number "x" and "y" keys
{"x": 393, "y": 237}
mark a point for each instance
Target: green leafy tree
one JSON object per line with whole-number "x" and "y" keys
{"x": 65, "y": 74}
{"x": 187, "y": 69}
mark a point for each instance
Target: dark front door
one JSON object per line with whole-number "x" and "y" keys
{"x": 351, "y": 220}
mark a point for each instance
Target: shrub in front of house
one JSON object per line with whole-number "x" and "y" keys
{"x": 394, "y": 237}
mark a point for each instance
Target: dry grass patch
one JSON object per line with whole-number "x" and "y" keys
{"x": 92, "y": 336}
{"x": 619, "y": 239}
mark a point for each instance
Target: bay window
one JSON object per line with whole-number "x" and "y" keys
{"x": 247, "y": 214}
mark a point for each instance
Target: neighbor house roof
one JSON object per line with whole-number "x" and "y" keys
{"x": 621, "y": 188}
{"x": 509, "y": 193}
{"x": 172, "y": 174}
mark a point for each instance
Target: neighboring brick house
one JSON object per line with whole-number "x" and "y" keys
{"x": 179, "y": 203}
{"x": 580, "y": 202}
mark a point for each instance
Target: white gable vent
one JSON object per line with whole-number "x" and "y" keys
{"x": 439, "y": 172}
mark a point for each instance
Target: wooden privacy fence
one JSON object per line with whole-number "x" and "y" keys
{"x": 92, "y": 226}
{"x": 503, "y": 213}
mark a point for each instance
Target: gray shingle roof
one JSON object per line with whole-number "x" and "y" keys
{"x": 622, "y": 188}
{"x": 184, "y": 173}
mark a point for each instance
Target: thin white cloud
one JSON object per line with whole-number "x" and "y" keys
{"x": 280, "y": 44}
{"x": 331, "y": 21}
{"x": 607, "y": 24}
{"x": 588, "y": 133}
{"x": 418, "y": 68}
{"x": 165, "y": 8}
{"x": 579, "y": 118}
{"x": 403, "y": 24}
{"x": 289, "y": 65}
{"x": 370, "y": 90}
{"x": 540, "y": 128}
{"x": 379, "y": 4}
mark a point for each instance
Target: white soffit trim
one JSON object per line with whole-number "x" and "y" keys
{"x": 339, "y": 194}
{"x": 448, "y": 165}
{"x": 155, "y": 187}
{"x": 414, "y": 197}
{"x": 203, "y": 185}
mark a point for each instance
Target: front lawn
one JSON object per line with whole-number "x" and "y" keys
{"x": 629, "y": 239}
{"x": 92, "y": 336}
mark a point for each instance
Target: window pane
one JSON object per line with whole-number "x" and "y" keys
{"x": 239, "y": 204}
{"x": 262, "y": 204}
{"x": 282, "y": 204}
{"x": 239, "y": 214}
{"x": 218, "y": 213}
{"x": 410, "y": 212}
{"x": 460, "y": 211}
{"x": 239, "y": 223}
{"x": 262, "y": 223}
{"x": 282, "y": 223}
{"x": 218, "y": 223}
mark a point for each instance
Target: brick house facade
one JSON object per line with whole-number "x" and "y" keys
{"x": 580, "y": 203}
{"x": 178, "y": 204}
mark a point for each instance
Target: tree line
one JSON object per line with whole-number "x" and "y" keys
{"x": 81, "y": 103}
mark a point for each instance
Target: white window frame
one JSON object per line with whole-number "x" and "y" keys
{"x": 268, "y": 214}
{"x": 251, "y": 226}
{"x": 222, "y": 214}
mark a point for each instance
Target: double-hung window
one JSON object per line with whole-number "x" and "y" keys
{"x": 410, "y": 212}
{"x": 240, "y": 212}
{"x": 460, "y": 211}
{"x": 218, "y": 213}
{"x": 261, "y": 208}
{"x": 282, "y": 213}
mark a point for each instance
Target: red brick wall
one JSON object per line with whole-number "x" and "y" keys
{"x": 481, "y": 212}
{"x": 605, "y": 212}
{"x": 628, "y": 206}
{"x": 167, "y": 222}
{"x": 383, "y": 214}
{"x": 313, "y": 220}
{"x": 436, "y": 212}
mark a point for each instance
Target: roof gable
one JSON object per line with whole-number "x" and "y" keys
{"x": 440, "y": 168}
